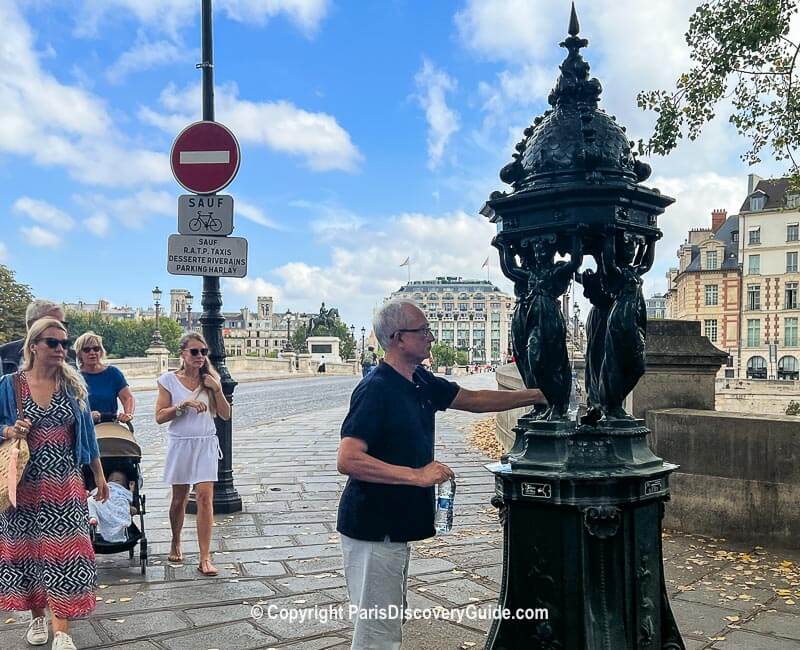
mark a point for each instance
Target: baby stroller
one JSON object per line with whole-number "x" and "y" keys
{"x": 119, "y": 452}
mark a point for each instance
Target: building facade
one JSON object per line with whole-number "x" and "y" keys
{"x": 769, "y": 247}
{"x": 706, "y": 285}
{"x": 470, "y": 315}
{"x": 656, "y": 306}
{"x": 259, "y": 333}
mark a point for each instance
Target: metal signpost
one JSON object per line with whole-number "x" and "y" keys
{"x": 205, "y": 159}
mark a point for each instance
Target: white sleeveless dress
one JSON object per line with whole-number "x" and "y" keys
{"x": 192, "y": 445}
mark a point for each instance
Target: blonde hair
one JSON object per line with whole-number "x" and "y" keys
{"x": 88, "y": 338}
{"x": 195, "y": 336}
{"x": 66, "y": 376}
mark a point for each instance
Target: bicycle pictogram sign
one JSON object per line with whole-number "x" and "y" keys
{"x": 205, "y": 215}
{"x": 205, "y": 221}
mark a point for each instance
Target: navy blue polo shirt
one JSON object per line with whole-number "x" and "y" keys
{"x": 395, "y": 417}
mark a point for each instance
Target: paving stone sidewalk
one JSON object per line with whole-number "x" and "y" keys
{"x": 282, "y": 551}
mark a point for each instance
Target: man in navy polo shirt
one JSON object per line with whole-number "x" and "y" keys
{"x": 387, "y": 452}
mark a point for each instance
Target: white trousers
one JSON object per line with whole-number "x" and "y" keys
{"x": 377, "y": 579}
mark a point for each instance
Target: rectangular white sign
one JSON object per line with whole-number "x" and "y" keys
{"x": 204, "y": 157}
{"x": 205, "y": 214}
{"x": 204, "y": 255}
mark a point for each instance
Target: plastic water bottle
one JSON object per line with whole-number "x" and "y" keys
{"x": 444, "y": 507}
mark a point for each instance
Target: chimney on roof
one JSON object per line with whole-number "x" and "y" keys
{"x": 717, "y": 219}
{"x": 752, "y": 181}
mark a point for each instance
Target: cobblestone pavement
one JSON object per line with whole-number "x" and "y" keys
{"x": 256, "y": 401}
{"x": 282, "y": 551}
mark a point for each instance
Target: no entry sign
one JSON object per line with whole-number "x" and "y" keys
{"x": 205, "y": 157}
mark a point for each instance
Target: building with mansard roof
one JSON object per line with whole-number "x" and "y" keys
{"x": 470, "y": 315}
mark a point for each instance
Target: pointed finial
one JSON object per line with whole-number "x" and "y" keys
{"x": 574, "y": 26}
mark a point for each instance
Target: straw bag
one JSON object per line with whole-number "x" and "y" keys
{"x": 14, "y": 456}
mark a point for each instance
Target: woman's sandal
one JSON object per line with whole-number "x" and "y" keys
{"x": 207, "y": 569}
{"x": 175, "y": 557}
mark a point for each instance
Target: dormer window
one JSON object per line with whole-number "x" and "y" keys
{"x": 712, "y": 264}
{"x": 757, "y": 201}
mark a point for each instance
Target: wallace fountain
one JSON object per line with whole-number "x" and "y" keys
{"x": 583, "y": 501}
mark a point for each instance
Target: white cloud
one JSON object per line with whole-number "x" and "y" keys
{"x": 330, "y": 222}
{"x": 171, "y": 15}
{"x": 249, "y": 289}
{"x": 36, "y": 123}
{"x": 98, "y": 224}
{"x": 43, "y": 212}
{"x": 132, "y": 211}
{"x": 279, "y": 125}
{"x": 363, "y": 264}
{"x": 510, "y": 29}
{"x": 256, "y": 215}
{"x": 146, "y": 54}
{"x": 39, "y": 237}
{"x": 443, "y": 122}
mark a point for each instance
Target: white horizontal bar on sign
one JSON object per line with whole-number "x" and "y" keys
{"x": 204, "y": 157}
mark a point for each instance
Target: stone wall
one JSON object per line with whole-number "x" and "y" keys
{"x": 756, "y": 395}
{"x": 739, "y": 475}
{"x": 135, "y": 367}
{"x": 258, "y": 364}
{"x": 508, "y": 378}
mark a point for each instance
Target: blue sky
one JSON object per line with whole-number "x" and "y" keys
{"x": 370, "y": 131}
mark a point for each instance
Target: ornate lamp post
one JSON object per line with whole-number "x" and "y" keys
{"x": 288, "y": 346}
{"x": 363, "y": 331}
{"x": 353, "y": 338}
{"x": 189, "y": 298}
{"x": 583, "y": 500}
{"x": 157, "y": 342}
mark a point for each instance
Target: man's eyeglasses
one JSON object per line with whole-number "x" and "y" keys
{"x": 53, "y": 343}
{"x": 195, "y": 351}
{"x": 425, "y": 329}
{"x": 93, "y": 348}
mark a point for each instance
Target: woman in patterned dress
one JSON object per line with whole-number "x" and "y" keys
{"x": 46, "y": 556}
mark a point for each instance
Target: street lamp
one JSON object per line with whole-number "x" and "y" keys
{"x": 363, "y": 331}
{"x": 189, "y": 298}
{"x": 288, "y": 346}
{"x": 353, "y": 338}
{"x": 157, "y": 342}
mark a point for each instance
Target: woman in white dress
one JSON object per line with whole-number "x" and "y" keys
{"x": 189, "y": 399}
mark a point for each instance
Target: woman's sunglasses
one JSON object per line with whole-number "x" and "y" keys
{"x": 94, "y": 348}
{"x": 195, "y": 351}
{"x": 53, "y": 343}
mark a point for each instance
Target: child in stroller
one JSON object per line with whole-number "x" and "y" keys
{"x": 113, "y": 518}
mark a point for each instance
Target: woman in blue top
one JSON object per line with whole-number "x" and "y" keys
{"x": 106, "y": 383}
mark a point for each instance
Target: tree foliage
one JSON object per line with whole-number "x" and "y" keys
{"x": 125, "y": 338}
{"x": 14, "y": 298}
{"x": 740, "y": 50}
{"x": 443, "y": 354}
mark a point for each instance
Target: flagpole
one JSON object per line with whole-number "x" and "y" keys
{"x": 409, "y": 271}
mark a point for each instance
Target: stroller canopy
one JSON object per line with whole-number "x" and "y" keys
{"x": 117, "y": 441}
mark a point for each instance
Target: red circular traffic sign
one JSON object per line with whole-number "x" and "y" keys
{"x": 205, "y": 157}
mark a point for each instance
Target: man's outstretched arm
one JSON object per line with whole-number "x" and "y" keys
{"x": 485, "y": 401}
{"x": 354, "y": 461}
